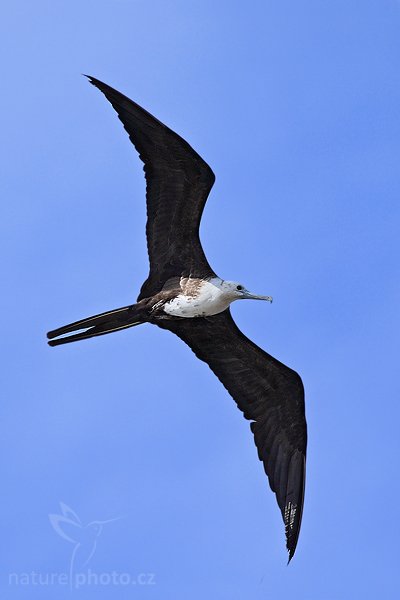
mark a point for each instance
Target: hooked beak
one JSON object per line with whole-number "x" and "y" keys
{"x": 249, "y": 296}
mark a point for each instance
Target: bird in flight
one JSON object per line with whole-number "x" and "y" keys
{"x": 183, "y": 295}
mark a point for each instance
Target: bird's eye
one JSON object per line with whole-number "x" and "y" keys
{"x": 239, "y": 287}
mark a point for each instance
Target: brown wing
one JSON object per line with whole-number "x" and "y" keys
{"x": 269, "y": 394}
{"x": 178, "y": 183}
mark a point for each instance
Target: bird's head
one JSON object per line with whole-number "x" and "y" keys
{"x": 237, "y": 291}
{"x": 96, "y": 527}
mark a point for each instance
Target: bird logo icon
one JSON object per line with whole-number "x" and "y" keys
{"x": 84, "y": 538}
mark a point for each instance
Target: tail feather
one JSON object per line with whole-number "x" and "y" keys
{"x": 107, "y": 322}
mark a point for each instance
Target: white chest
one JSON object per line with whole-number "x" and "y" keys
{"x": 209, "y": 300}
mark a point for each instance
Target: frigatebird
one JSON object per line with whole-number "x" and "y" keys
{"x": 185, "y": 296}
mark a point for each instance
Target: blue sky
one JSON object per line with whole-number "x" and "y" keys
{"x": 295, "y": 105}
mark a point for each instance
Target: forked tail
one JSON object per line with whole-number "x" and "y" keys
{"x": 107, "y": 322}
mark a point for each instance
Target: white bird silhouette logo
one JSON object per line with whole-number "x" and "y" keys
{"x": 84, "y": 537}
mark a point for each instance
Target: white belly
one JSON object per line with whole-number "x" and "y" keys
{"x": 210, "y": 300}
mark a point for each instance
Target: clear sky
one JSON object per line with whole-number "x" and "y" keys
{"x": 295, "y": 105}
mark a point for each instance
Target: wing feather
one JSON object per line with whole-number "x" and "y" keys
{"x": 178, "y": 182}
{"x": 269, "y": 394}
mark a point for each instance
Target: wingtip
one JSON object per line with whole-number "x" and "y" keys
{"x": 89, "y": 77}
{"x": 93, "y": 80}
{"x": 291, "y": 552}
{"x": 100, "y": 85}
